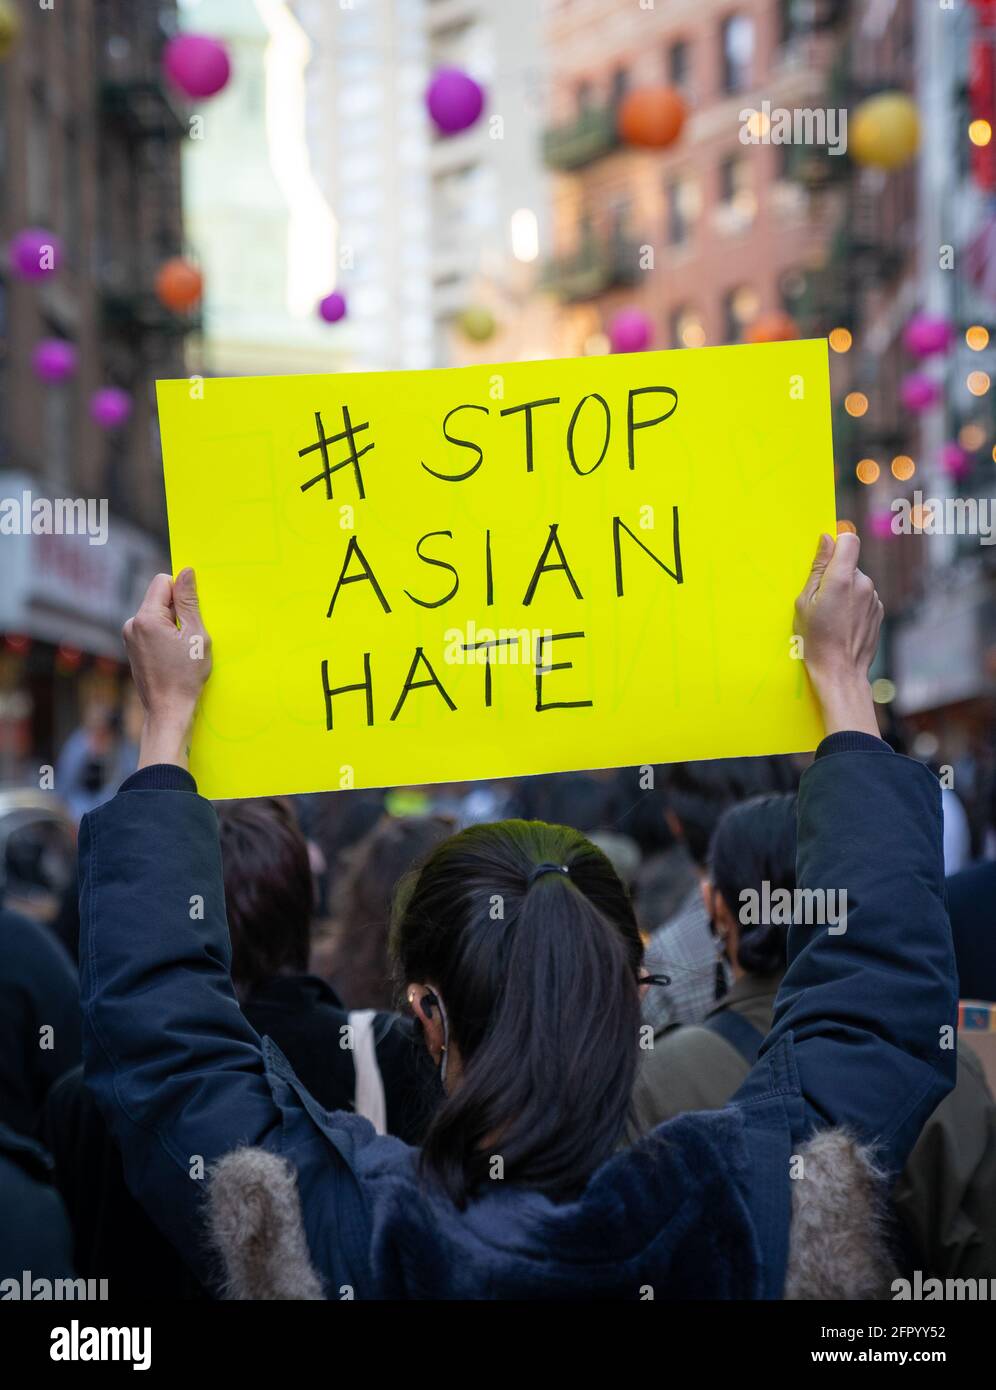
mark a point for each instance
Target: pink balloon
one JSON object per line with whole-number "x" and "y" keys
{"x": 196, "y": 65}
{"x": 919, "y": 392}
{"x": 333, "y": 307}
{"x": 35, "y": 253}
{"x": 54, "y": 360}
{"x": 926, "y": 334}
{"x": 631, "y": 331}
{"x": 110, "y": 407}
{"x": 454, "y": 100}
{"x": 881, "y": 525}
{"x": 954, "y": 459}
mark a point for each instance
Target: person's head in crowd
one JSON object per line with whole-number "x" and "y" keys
{"x": 753, "y": 845}
{"x": 354, "y": 954}
{"x": 622, "y": 852}
{"x": 268, "y": 890}
{"x": 520, "y": 958}
{"x": 699, "y": 792}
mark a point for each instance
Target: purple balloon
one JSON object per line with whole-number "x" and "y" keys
{"x": 35, "y": 253}
{"x": 333, "y": 307}
{"x": 110, "y": 407}
{"x": 919, "y": 392}
{"x": 454, "y": 100}
{"x": 631, "y": 331}
{"x": 54, "y": 360}
{"x": 926, "y": 334}
{"x": 197, "y": 65}
{"x": 954, "y": 459}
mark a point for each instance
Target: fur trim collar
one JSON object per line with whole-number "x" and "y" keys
{"x": 838, "y": 1244}
{"x": 255, "y": 1227}
{"x": 838, "y": 1240}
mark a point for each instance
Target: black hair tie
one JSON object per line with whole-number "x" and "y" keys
{"x": 547, "y": 869}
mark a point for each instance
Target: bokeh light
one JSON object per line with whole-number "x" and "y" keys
{"x": 883, "y": 691}
{"x": 867, "y": 471}
{"x": 846, "y": 528}
{"x": 840, "y": 339}
{"x": 977, "y": 337}
{"x": 972, "y": 437}
{"x": 978, "y": 383}
{"x": 903, "y": 467}
{"x": 856, "y": 403}
{"x": 980, "y": 132}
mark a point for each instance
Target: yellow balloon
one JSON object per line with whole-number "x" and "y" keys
{"x": 884, "y": 131}
{"x": 10, "y": 27}
{"x": 478, "y": 324}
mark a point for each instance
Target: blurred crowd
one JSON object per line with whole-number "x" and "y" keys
{"x": 308, "y": 889}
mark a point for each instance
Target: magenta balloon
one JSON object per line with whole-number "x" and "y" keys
{"x": 881, "y": 525}
{"x": 54, "y": 360}
{"x": 919, "y": 392}
{"x": 926, "y": 334}
{"x": 35, "y": 253}
{"x": 454, "y": 100}
{"x": 333, "y": 307}
{"x": 110, "y": 407}
{"x": 630, "y": 331}
{"x": 954, "y": 459}
{"x": 197, "y": 65}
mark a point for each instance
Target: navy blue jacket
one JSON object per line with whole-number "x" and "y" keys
{"x": 38, "y": 989}
{"x": 699, "y": 1208}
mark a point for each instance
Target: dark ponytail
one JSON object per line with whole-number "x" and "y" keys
{"x": 538, "y": 977}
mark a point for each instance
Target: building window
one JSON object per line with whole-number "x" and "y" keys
{"x": 737, "y": 37}
{"x": 682, "y": 209}
{"x": 792, "y": 288}
{"x": 679, "y": 63}
{"x": 740, "y": 306}
{"x": 791, "y": 22}
{"x": 620, "y": 82}
{"x": 736, "y": 195}
{"x": 618, "y": 221}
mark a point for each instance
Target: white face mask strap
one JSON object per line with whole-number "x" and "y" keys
{"x": 446, "y": 1031}
{"x": 446, "y": 1041}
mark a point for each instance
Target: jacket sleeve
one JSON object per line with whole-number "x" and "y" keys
{"x": 870, "y": 1001}
{"x": 175, "y": 1067}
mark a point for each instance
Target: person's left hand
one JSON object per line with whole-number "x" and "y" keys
{"x": 170, "y": 664}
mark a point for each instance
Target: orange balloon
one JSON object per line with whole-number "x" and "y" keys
{"x": 179, "y": 285}
{"x": 773, "y": 328}
{"x": 652, "y": 117}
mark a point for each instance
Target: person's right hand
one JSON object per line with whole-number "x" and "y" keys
{"x": 838, "y": 616}
{"x": 170, "y": 665}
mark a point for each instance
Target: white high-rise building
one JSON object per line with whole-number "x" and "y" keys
{"x": 255, "y": 216}
{"x": 428, "y": 225}
{"x": 369, "y": 139}
{"x": 489, "y": 185}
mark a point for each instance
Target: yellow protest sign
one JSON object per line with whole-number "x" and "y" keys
{"x": 489, "y": 571}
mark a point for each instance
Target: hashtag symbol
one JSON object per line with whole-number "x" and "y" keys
{"x": 349, "y": 432}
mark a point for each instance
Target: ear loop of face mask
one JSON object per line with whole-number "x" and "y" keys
{"x": 446, "y": 1043}
{"x": 429, "y": 1001}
